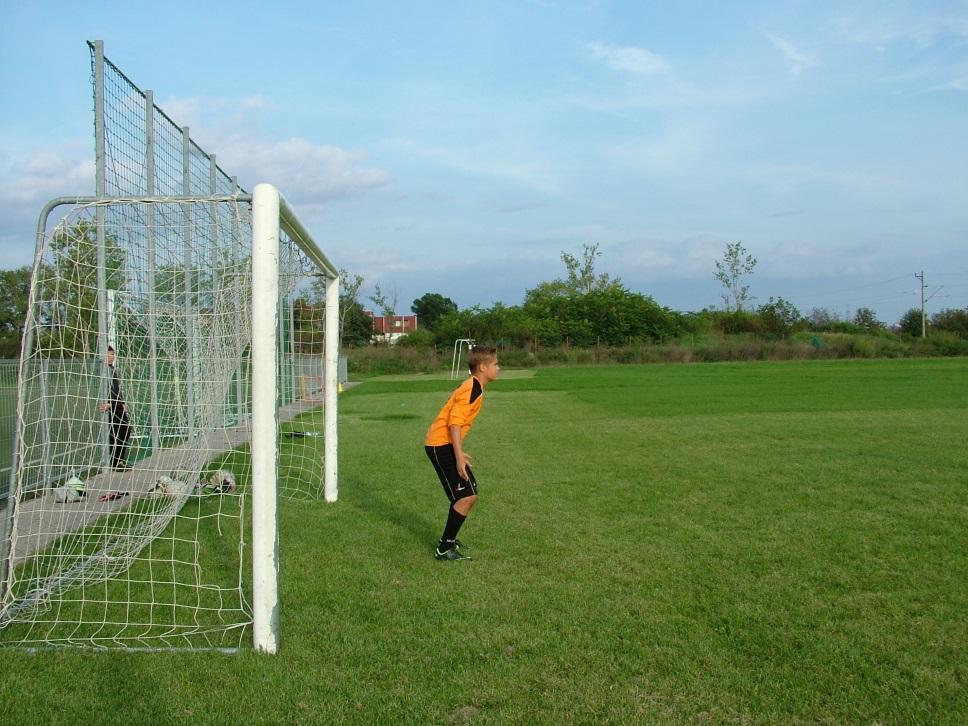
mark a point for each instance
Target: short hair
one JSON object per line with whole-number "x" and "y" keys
{"x": 480, "y": 354}
{"x": 111, "y": 349}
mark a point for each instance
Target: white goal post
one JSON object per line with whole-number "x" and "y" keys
{"x": 269, "y": 212}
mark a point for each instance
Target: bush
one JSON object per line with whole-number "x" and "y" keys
{"x": 378, "y": 360}
{"x": 420, "y": 338}
{"x": 10, "y": 348}
{"x": 952, "y": 321}
{"x": 941, "y": 343}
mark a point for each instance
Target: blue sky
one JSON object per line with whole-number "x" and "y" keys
{"x": 458, "y": 147}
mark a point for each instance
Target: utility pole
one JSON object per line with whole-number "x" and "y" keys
{"x": 924, "y": 326}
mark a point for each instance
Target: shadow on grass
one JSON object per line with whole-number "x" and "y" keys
{"x": 402, "y": 514}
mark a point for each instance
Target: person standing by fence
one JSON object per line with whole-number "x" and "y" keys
{"x": 120, "y": 423}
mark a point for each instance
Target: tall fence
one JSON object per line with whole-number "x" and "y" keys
{"x": 8, "y": 419}
{"x": 142, "y": 153}
{"x": 140, "y": 150}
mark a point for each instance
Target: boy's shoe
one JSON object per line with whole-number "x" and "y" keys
{"x": 450, "y": 554}
{"x": 460, "y": 545}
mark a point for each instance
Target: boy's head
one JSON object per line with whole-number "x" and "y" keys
{"x": 482, "y": 361}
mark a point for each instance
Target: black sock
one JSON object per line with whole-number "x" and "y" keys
{"x": 454, "y": 520}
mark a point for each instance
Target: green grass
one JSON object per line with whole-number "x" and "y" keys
{"x": 728, "y": 543}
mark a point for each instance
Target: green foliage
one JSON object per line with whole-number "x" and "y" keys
{"x": 352, "y": 329}
{"x": 865, "y": 319}
{"x": 580, "y": 273}
{"x": 779, "y": 318}
{"x": 14, "y": 294}
{"x": 611, "y": 315}
{"x": 910, "y": 323}
{"x": 420, "y": 338}
{"x": 68, "y": 286}
{"x": 379, "y": 360}
{"x": 9, "y": 348}
{"x": 951, "y": 320}
{"x": 940, "y": 342}
{"x": 357, "y": 326}
{"x": 731, "y": 271}
{"x": 430, "y": 307}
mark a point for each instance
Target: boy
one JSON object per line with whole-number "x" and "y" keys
{"x": 445, "y": 448}
{"x": 120, "y": 424}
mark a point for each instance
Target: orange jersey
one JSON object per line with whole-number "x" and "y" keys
{"x": 460, "y": 410}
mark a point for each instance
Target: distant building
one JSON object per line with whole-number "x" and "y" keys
{"x": 390, "y": 330}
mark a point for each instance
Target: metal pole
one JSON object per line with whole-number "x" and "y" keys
{"x": 189, "y": 295}
{"x": 152, "y": 311}
{"x": 292, "y": 350}
{"x": 330, "y": 488}
{"x": 100, "y": 155}
{"x": 216, "y": 260}
{"x": 924, "y": 325}
{"x": 265, "y": 418}
{"x": 16, "y": 483}
{"x": 236, "y": 256}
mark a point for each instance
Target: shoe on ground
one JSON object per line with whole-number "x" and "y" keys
{"x": 460, "y": 545}
{"x": 450, "y": 554}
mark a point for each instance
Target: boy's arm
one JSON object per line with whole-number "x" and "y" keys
{"x": 463, "y": 460}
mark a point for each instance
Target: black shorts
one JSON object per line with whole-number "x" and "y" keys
{"x": 445, "y": 464}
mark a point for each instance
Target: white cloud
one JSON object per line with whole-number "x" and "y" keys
{"x": 956, "y": 84}
{"x": 880, "y": 24}
{"x": 307, "y": 173}
{"x": 798, "y": 59}
{"x": 47, "y": 172}
{"x": 28, "y": 182}
{"x": 486, "y": 162}
{"x": 254, "y": 102}
{"x": 631, "y": 59}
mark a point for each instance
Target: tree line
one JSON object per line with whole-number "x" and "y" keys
{"x": 586, "y": 308}
{"x": 582, "y": 308}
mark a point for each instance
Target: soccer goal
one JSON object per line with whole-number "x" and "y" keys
{"x": 162, "y": 411}
{"x": 460, "y": 346}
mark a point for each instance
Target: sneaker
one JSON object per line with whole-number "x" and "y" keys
{"x": 460, "y": 545}
{"x": 450, "y": 554}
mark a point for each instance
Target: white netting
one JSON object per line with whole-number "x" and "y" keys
{"x": 150, "y": 550}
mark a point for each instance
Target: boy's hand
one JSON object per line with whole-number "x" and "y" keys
{"x": 102, "y": 407}
{"x": 463, "y": 465}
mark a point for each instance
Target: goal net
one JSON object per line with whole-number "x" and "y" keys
{"x": 176, "y": 378}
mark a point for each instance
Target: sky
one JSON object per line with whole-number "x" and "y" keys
{"x": 460, "y": 146}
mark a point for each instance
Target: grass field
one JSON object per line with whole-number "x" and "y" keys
{"x": 721, "y": 543}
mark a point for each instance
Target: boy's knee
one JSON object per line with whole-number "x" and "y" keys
{"x": 464, "y": 504}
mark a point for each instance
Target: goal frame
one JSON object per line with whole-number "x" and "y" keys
{"x": 271, "y": 217}
{"x": 270, "y": 212}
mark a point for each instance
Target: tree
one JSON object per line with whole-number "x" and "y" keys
{"x": 821, "y": 318}
{"x": 910, "y": 323}
{"x": 778, "y": 317}
{"x": 866, "y": 318}
{"x": 952, "y": 320}
{"x": 581, "y": 272}
{"x": 353, "y": 329}
{"x": 14, "y": 295}
{"x": 387, "y": 307}
{"x": 731, "y": 271}
{"x": 350, "y": 309}
{"x": 68, "y": 286}
{"x": 431, "y": 307}
{"x": 356, "y": 325}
